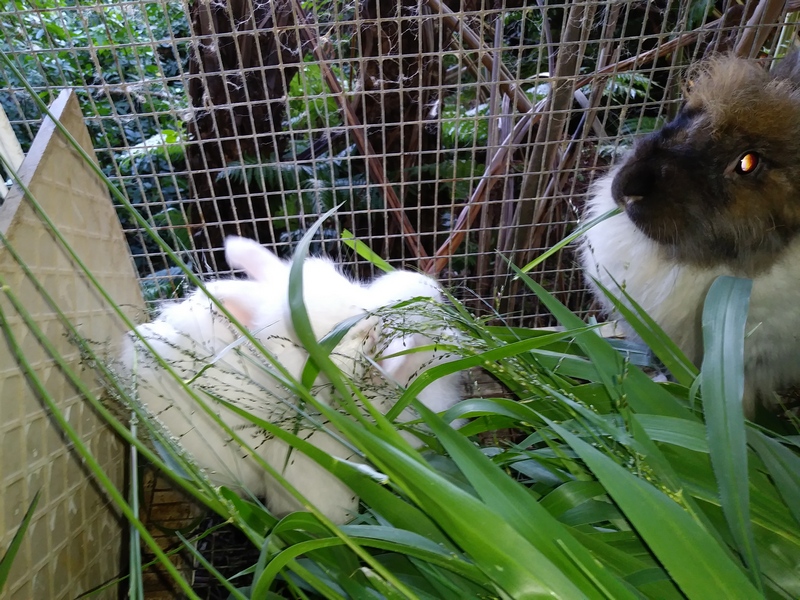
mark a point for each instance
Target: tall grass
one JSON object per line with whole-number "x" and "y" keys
{"x": 613, "y": 486}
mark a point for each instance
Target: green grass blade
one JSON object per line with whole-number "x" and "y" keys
{"x": 400, "y": 513}
{"x": 13, "y": 548}
{"x": 571, "y": 495}
{"x": 529, "y": 518}
{"x": 364, "y": 251}
{"x": 327, "y": 344}
{"x": 722, "y": 381}
{"x": 380, "y": 499}
{"x": 506, "y": 557}
{"x": 678, "y": 432}
{"x": 568, "y": 365}
{"x": 417, "y": 546}
{"x": 639, "y": 444}
{"x": 381, "y": 538}
{"x": 136, "y": 583}
{"x": 694, "y": 559}
{"x": 520, "y": 413}
{"x": 783, "y": 466}
{"x": 483, "y": 358}
{"x": 631, "y": 564}
{"x": 659, "y": 342}
{"x": 579, "y": 231}
{"x": 78, "y": 444}
{"x": 317, "y": 353}
{"x": 299, "y": 315}
{"x": 198, "y": 487}
{"x": 624, "y": 382}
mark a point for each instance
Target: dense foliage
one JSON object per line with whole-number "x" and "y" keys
{"x": 128, "y": 63}
{"x": 125, "y": 63}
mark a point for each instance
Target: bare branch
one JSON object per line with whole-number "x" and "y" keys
{"x": 410, "y": 236}
{"x": 759, "y": 26}
{"x": 471, "y": 40}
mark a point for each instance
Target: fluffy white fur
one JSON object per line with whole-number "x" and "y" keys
{"x": 192, "y": 333}
{"x": 673, "y": 294}
{"x": 442, "y": 393}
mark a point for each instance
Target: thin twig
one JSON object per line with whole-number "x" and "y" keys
{"x": 410, "y": 235}
{"x": 468, "y": 214}
{"x": 495, "y": 106}
{"x": 764, "y": 19}
{"x": 551, "y": 129}
{"x": 548, "y": 36}
{"x": 589, "y": 105}
{"x": 492, "y": 175}
{"x": 683, "y": 39}
{"x": 508, "y": 196}
{"x": 471, "y": 40}
{"x": 544, "y": 154}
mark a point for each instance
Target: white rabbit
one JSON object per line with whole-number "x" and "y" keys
{"x": 329, "y": 309}
{"x": 191, "y": 333}
{"x": 715, "y": 192}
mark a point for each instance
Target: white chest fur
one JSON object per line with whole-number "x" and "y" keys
{"x": 616, "y": 253}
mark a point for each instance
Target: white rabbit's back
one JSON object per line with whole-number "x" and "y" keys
{"x": 329, "y": 296}
{"x": 183, "y": 417}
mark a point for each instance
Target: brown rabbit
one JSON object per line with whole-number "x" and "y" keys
{"x": 715, "y": 192}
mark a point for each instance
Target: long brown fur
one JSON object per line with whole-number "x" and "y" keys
{"x": 709, "y": 213}
{"x": 740, "y": 95}
{"x": 715, "y": 192}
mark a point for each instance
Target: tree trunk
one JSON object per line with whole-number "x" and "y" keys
{"x": 242, "y": 61}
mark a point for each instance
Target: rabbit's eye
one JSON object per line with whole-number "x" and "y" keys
{"x": 747, "y": 163}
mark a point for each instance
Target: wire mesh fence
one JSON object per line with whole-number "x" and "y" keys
{"x": 453, "y": 136}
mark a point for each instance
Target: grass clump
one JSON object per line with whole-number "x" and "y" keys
{"x": 612, "y": 485}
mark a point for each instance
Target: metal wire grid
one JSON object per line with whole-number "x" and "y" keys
{"x": 255, "y": 117}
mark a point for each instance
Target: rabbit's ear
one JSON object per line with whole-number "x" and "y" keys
{"x": 243, "y": 309}
{"x": 255, "y": 260}
{"x": 243, "y": 299}
{"x": 789, "y": 68}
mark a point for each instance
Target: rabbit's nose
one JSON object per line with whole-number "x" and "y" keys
{"x": 633, "y": 184}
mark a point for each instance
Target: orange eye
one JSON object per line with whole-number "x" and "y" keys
{"x": 747, "y": 163}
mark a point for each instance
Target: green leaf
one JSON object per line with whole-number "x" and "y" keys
{"x": 16, "y": 541}
{"x": 377, "y": 497}
{"x": 484, "y": 358}
{"x": 364, "y": 251}
{"x": 579, "y": 231}
{"x": 783, "y": 466}
{"x": 678, "y": 432}
{"x": 722, "y": 384}
{"x": 694, "y": 559}
{"x": 416, "y": 546}
{"x": 531, "y": 519}
{"x": 646, "y": 328}
{"x": 571, "y": 495}
{"x": 505, "y": 556}
{"x": 327, "y": 344}
{"x": 623, "y": 382}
